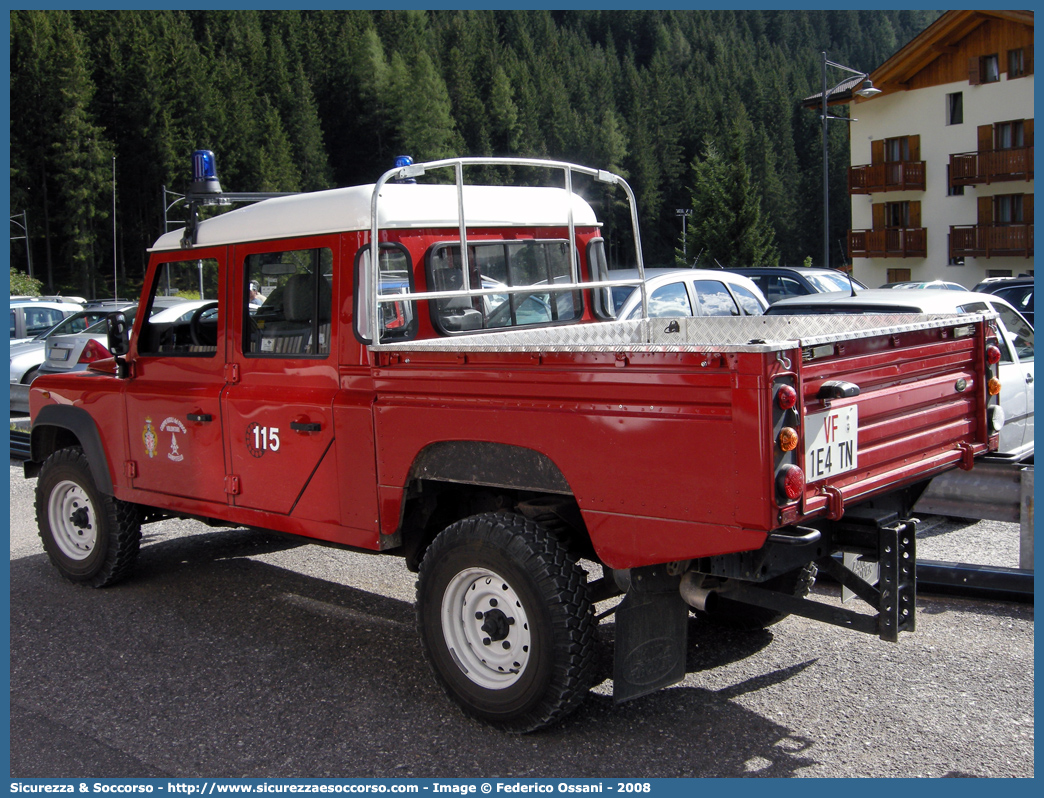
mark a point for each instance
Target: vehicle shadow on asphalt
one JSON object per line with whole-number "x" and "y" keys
{"x": 208, "y": 661}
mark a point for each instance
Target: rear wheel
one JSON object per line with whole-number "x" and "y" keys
{"x": 90, "y": 538}
{"x": 505, "y": 621}
{"x": 734, "y": 615}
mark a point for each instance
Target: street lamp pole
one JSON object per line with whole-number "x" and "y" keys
{"x": 684, "y": 213}
{"x": 867, "y": 90}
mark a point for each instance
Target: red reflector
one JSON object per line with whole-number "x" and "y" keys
{"x": 786, "y": 397}
{"x": 993, "y": 355}
{"x": 791, "y": 481}
{"x": 93, "y": 351}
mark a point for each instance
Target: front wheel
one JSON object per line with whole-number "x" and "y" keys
{"x": 505, "y": 621}
{"x": 90, "y": 538}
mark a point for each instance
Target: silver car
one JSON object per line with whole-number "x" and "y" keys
{"x": 1016, "y": 366}
{"x": 75, "y": 352}
{"x": 28, "y": 354}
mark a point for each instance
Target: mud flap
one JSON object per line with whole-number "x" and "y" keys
{"x": 651, "y": 635}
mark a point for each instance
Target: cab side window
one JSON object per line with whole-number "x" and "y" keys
{"x": 288, "y": 303}
{"x": 183, "y": 310}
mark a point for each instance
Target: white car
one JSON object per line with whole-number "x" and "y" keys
{"x": 1016, "y": 366}
{"x": 30, "y": 317}
{"x": 687, "y": 292}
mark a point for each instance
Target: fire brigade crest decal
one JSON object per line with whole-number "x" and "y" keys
{"x": 173, "y": 425}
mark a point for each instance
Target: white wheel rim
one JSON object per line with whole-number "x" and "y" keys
{"x": 73, "y": 521}
{"x": 486, "y": 628}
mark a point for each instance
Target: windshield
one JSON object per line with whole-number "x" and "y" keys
{"x": 832, "y": 282}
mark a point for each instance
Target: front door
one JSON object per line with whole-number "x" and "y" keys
{"x": 279, "y": 405}
{"x": 173, "y": 398}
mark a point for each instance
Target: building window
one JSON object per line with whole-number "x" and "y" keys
{"x": 1016, "y": 63}
{"x": 955, "y": 108}
{"x": 897, "y": 149}
{"x": 984, "y": 69}
{"x": 897, "y": 214}
{"x": 990, "y": 69}
{"x": 1009, "y": 135}
{"x": 998, "y": 272}
{"x": 951, "y": 189}
{"x": 898, "y": 275}
{"x": 1007, "y": 208}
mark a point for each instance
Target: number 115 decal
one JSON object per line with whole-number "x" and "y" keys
{"x": 261, "y": 439}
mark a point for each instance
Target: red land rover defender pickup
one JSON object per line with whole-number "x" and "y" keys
{"x": 496, "y": 426}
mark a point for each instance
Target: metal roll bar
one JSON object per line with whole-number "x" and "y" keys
{"x": 413, "y": 171}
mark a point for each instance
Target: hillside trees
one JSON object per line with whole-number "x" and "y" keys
{"x": 304, "y": 100}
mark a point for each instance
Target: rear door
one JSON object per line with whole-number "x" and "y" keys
{"x": 279, "y": 404}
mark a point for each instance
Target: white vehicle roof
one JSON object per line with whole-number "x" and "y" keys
{"x": 69, "y": 307}
{"x": 923, "y": 300}
{"x": 401, "y": 205}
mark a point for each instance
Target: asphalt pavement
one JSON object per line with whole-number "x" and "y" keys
{"x": 233, "y": 653}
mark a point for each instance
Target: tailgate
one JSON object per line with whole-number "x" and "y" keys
{"x": 891, "y": 409}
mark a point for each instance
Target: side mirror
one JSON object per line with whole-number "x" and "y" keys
{"x": 118, "y": 332}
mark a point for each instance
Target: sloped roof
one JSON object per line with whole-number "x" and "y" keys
{"x": 937, "y": 39}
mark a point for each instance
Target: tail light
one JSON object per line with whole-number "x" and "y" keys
{"x": 93, "y": 352}
{"x": 993, "y": 355}
{"x": 786, "y": 431}
{"x": 790, "y": 482}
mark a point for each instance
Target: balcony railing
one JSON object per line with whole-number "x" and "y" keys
{"x": 892, "y": 242}
{"x": 890, "y": 176}
{"x": 991, "y": 240}
{"x": 991, "y": 166}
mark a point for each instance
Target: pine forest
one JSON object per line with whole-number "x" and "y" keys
{"x": 697, "y": 109}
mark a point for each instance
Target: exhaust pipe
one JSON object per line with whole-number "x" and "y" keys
{"x": 694, "y": 594}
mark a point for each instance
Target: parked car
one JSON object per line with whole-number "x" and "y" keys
{"x": 27, "y": 354}
{"x": 780, "y": 282}
{"x": 946, "y": 285}
{"x": 1016, "y": 366}
{"x": 30, "y": 317}
{"x": 75, "y": 352}
{"x": 687, "y": 292}
{"x": 1016, "y": 290}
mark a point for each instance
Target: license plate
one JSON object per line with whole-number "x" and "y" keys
{"x": 59, "y": 354}
{"x": 831, "y": 443}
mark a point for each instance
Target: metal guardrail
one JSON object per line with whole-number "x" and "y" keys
{"x": 19, "y": 445}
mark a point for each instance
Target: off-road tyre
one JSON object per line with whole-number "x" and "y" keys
{"x": 505, "y": 621}
{"x": 746, "y": 617}
{"x": 92, "y": 539}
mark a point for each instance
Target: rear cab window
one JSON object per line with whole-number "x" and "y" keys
{"x": 501, "y": 268}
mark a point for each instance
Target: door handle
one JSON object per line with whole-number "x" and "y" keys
{"x": 202, "y": 418}
{"x": 304, "y": 426}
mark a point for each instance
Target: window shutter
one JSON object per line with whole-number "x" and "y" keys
{"x": 1027, "y": 56}
{"x": 985, "y": 138}
{"x": 914, "y": 214}
{"x": 985, "y": 210}
{"x": 878, "y": 215}
{"x": 915, "y": 147}
{"x": 877, "y": 151}
{"x": 974, "y": 71}
{"x": 1027, "y": 208}
{"x": 1027, "y": 132}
